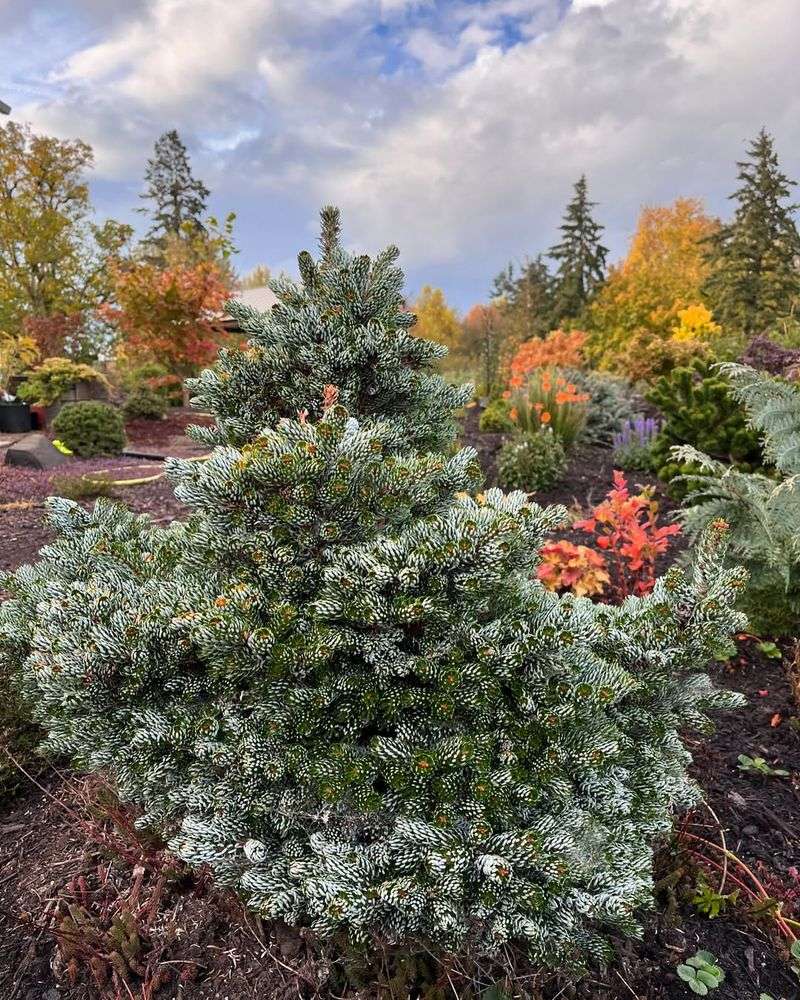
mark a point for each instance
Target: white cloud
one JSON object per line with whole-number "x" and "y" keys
{"x": 650, "y": 99}
{"x": 453, "y": 129}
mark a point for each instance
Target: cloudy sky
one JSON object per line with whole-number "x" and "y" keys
{"x": 454, "y": 128}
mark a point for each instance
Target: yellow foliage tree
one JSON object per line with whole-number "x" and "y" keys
{"x": 436, "y": 320}
{"x": 662, "y": 274}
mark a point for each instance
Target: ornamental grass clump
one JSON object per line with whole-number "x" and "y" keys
{"x": 338, "y": 684}
{"x": 550, "y": 402}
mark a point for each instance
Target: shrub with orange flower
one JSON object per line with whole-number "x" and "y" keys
{"x": 549, "y": 400}
{"x": 559, "y": 349}
{"x": 578, "y": 568}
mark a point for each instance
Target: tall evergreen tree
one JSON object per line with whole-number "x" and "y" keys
{"x": 580, "y": 256}
{"x": 178, "y": 197}
{"x": 754, "y": 259}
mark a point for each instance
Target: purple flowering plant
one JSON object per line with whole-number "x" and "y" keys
{"x": 634, "y": 441}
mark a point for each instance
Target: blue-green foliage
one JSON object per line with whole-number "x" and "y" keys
{"x": 339, "y": 683}
{"x": 344, "y": 325}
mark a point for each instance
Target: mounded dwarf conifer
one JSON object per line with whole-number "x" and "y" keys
{"x": 339, "y": 683}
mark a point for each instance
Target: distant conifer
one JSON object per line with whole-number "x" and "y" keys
{"x": 754, "y": 259}
{"x": 580, "y": 256}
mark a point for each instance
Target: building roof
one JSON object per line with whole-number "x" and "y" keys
{"x": 262, "y": 299}
{"x": 258, "y": 298}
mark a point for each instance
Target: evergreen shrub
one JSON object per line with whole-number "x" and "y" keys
{"x": 144, "y": 403}
{"x": 496, "y": 418}
{"x": 763, "y": 509}
{"x": 699, "y": 410}
{"x": 90, "y": 428}
{"x": 531, "y": 462}
{"x": 339, "y": 683}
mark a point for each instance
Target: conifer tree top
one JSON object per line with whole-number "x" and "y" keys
{"x": 580, "y": 255}
{"x": 179, "y": 197}
{"x": 344, "y": 325}
{"x": 754, "y": 278}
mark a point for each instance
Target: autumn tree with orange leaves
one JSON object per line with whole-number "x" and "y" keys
{"x": 168, "y": 310}
{"x": 559, "y": 349}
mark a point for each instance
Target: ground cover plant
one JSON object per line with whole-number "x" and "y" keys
{"x": 338, "y": 684}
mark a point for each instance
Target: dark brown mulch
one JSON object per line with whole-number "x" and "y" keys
{"x": 168, "y": 435}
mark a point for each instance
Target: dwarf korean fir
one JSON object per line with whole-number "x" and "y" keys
{"x": 339, "y": 683}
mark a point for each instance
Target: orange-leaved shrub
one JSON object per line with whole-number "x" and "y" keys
{"x": 626, "y": 528}
{"x": 559, "y": 349}
{"x": 627, "y": 533}
{"x": 566, "y": 566}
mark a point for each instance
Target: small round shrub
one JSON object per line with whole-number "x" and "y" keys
{"x": 129, "y": 378}
{"x": 495, "y": 419}
{"x": 90, "y": 428}
{"x": 153, "y": 375}
{"x": 531, "y": 462}
{"x": 144, "y": 403}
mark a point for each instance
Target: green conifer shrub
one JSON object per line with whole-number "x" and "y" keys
{"x": 339, "y": 683}
{"x": 763, "y": 510}
{"x": 531, "y": 462}
{"x": 144, "y": 403}
{"x": 700, "y": 410}
{"x": 496, "y": 418}
{"x": 90, "y": 428}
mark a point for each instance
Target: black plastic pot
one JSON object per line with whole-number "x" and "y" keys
{"x": 15, "y": 418}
